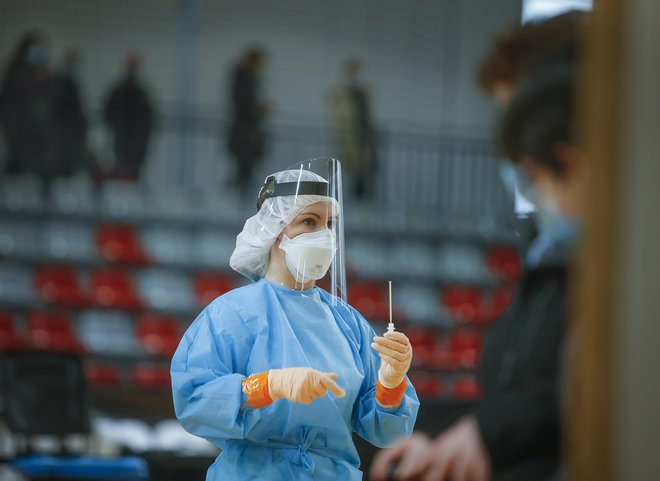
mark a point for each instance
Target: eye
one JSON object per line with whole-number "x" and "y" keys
{"x": 330, "y": 224}
{"x": 309, "y": 221}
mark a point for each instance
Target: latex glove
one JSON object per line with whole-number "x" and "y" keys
{"x": 396, "y": 354}
{"x": 402, "y": 456}
{"x": 302, "y": 384}
{"x": 457, "y": 454}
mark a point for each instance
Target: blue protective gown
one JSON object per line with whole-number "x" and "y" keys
{"x": 264, "y": 326}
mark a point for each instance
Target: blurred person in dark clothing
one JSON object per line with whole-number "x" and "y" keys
{"x": 355, "y": 129}
{"x": 27, "y": 108}
{"x": 513, "y": 433}
{"x": 71, "y": 126}
{"x": 247, "y": 136}
{"x": 129, "y": 115}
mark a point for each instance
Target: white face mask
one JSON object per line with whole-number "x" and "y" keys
{"x": 308, "y": 256}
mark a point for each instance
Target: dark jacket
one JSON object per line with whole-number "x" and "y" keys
{"x": 519, "y": 413}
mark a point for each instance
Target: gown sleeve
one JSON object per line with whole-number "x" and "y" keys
{"x": 208, "y": 395}
{"x": 377, "y": 424}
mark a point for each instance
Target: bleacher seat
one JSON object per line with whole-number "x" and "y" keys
{"x": 504, "y": 262}
{"x": 158, "y": 334}
{"x": 412, "y": 257}
{"x": 427, "y": 385}
{"x": 213, "y": 248}
{"x": 366, "y": 257}
{"x": 21, "y": 193}
{"x": 108, "y": 332}
{"x": 151, "y": 376}
{"x": 19, "y": 238}
{"x": 114, "y": 288}
{"x": 122, "y": 200}
{"x": 170, "y": 204}
{"x": 16, "y": 284}
{"x": 370, "y": 299}
{"x": 462, "y": 302}
{"x": 69, "y": 241}
{"x": 165, "y": 289}
{"x": 209, "y": 286}
{"x": 102, "y": 374}
{"x": 168, "y": 246}
{"x": 120, "y": 243}
{"x": 461, "y": 263}
{"x": 418, "y": 302}
{"x": 466, "y": 345}
{"x": 461, "y": 351}
{"x": 466, "y": 388}
{"x": 424, "y": 343}
{"x": 10, "y": 339}
{"x": 72, "y": 196}
{"x": 471, "y": 304}
{"x": 52, "y": 331}
{"x": 60, "y": 285}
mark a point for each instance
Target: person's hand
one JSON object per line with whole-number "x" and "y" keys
{"x": 396, "y": 354}
{"x": 405, "y": 454}
{"x": 457, "y": 454}
{"x": 301, "y": 384}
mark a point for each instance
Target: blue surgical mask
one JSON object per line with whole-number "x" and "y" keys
{"x": 555, "y": 230}
{"x": 37, "y": 55}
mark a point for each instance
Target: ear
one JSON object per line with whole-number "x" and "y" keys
{"x": 571, "y": 159}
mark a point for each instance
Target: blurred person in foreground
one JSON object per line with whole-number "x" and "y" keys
{"x": 513, "y": 432}
{"x": 247, "y": 135}
{"x": 129, "y": 115}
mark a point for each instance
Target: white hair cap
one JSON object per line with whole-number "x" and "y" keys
{"x": 253, "y": 244}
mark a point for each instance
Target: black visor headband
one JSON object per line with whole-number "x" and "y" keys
{"x": 274, "y": 189}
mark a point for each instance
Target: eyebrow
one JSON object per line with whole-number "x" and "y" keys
{"x": 318, "y": 216}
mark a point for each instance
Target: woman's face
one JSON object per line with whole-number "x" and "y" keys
{"x": 318, "y": 216}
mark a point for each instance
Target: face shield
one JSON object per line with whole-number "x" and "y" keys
{"x": 304, "y": 203}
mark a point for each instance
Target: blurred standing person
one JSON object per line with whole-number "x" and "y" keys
{"x": 355, "y": 129}
{"x": 129, "y": 115}
{"x": 71, "y": 151}
{"x": 513, "y": 433}
{"x": 27, "y": 108}
{"x": 247, "y": 136}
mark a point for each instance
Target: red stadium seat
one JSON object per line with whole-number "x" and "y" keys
{"x": 60, "y": 285}
{"x": 103, "y": 375}
{"x": 461, "y": 351}
{"x": 475, "y": 305}
{"x": 424, "y": 343}
{"x": 466, "y": 389}
{"x": 114, "y": 288}
{"x": 504, "y": 262}
{"x": 210, "y": 286}
{"x": 462, "y": 302}
{"x": 148, "y": 376}
{"x": 158, "y": 334}
{"x": 52, "y": 331}
{"x": 428, "y": 386}
{"x": 9, "y": 338}
{"x": 120, "y": 243}
{"x": 370, "y": 299}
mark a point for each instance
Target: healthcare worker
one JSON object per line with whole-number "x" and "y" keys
{"x": 280, "y": 373}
